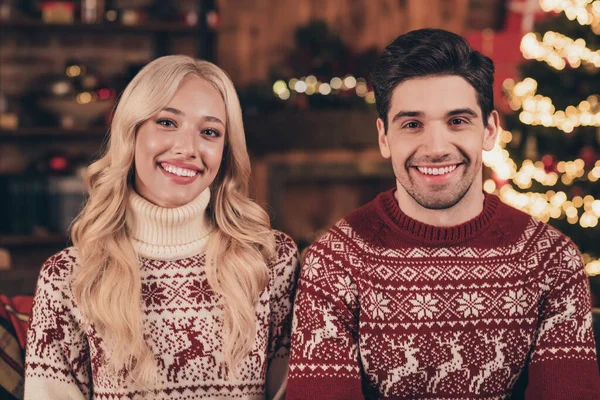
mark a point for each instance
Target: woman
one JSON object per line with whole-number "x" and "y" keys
{"x": 176, "y": 286}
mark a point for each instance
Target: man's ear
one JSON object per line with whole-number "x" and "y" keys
{"x": 384, "y": 146}
{"x": 491, "y": 131}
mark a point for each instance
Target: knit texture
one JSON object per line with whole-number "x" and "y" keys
{"x": 168, "y": 233}
{"x": 388, "y": 307}
{"x": 183, "y": 320}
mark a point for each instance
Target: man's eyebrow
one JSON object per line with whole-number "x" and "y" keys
{"x": 403, "y": 114}
{"x": 461, "y": 111}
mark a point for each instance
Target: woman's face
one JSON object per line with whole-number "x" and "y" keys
{"x": 179, "y": 150}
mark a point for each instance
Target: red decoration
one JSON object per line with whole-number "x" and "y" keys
{"x": 589, "y": 156}
{"x": 577, "y": 191}
{"x": 549, "y": 163}
{"x": 212, "y": 19}
{"x": 58, "y": 163}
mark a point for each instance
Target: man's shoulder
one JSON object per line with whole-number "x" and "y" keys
{"x": 354, "y": 232}
{"x": 546, "y": 241}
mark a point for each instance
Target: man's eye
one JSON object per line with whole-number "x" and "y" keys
{"x": 412, "y": 125}
{"x": 458, "y": 121}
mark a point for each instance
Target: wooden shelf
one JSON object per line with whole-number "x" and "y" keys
{"x": 33, "y": 240}
{"x": 94, "y": 133}
{"x": 147, "y": 27}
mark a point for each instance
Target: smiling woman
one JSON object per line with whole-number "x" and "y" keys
{"x": 179, "y": 150}
{"x": 176, "y": 283}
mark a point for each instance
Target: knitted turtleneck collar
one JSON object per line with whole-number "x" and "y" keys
{"x": 168, "y": 233}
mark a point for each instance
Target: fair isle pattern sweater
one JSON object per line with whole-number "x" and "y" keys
{"x": 67, "y": 359}
{"x": 388, "y": 307}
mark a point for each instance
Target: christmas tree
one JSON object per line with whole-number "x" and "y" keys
{"x": 546, "y": 161}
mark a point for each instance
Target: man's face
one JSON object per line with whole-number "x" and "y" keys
{"x": 435, "y": 139}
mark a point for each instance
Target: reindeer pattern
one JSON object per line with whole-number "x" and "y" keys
{"x": 482, "y": 362}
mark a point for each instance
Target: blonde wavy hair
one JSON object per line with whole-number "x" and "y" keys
{"x": 107, "y": 279}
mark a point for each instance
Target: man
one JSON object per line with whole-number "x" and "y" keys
{"x": 435, "y": 290}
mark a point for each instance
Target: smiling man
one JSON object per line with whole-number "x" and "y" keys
{"x": 434, "y": 289}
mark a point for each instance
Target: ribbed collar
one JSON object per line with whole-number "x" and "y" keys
{"x": 168, "y": 233}
{"x": 421, "y": 232}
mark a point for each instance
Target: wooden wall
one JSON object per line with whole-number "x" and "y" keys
{"x": 255, "y": 34}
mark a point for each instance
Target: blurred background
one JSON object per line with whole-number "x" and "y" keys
{"x": 301, "y": 68}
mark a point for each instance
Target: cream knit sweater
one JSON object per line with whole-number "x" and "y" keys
{"x": 182, "y": 319}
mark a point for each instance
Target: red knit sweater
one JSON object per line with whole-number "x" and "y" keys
{"x": 388, "y": 307}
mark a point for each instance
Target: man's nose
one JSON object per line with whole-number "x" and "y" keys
{"x": 436, "y": 142}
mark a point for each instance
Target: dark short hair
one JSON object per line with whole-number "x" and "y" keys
{"x": 432, "y": 52}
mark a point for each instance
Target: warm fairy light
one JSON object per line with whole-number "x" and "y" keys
{"x": 539, "y": 110}
{"x": 556, "y": 49}
{"x": 592, "y": 268}
{"x": 489, "y": 186}
{"x": 543, "y": 206}
{"x": 336, "y": 83}
{"x": 559, "y": 52}
{"x": 311, "y": 85}
{"x": 285, "y": 95}
{"x": 84, "y": 98}
{"x": 300, "y": 87}
{"x": 350, "y": 82}
{"x": 370, "y": 97}
{"x": 73, "y": 71}
{"x": 324, "y": 88}
{"x": 586, "y": 12}
{"x": 279, "y": 87}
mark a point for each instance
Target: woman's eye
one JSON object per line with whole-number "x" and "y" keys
{"x": 167, "y": 123}
{"x": 211, "y": 132}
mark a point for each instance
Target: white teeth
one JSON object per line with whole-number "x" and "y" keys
{"x": 437, "y": 171}
{"x": 178, "y": 171}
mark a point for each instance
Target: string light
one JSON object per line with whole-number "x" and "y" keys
{"x": 586, "y": 12}
{"x": 555, "y": 48}
{"x": 544, "y": 206}
{"x": 592, "y": 266}
{"x": 558, "y": 51}
{"x": 310, "y": 85}
{"x": 539, "y": 110}
{"x": 498, "y": 159}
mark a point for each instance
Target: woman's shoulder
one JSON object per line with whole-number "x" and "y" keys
{"x": 285, "y": 246}
{"x": 59, "y": 266}
{"x": 285, "y": 268}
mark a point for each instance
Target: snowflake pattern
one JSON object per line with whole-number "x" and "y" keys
{"x": 470, "y": 304}
{"x": 346, "y": 289}
{"x": 189, "y": 355}
{"x": 55, "y": 265}
{"x": 424, "y": 306}
{"x": 200, "y": 291}
{"x": 153, "y": 294}
{"x": 571, "y": 257}
{"x": 378, "y": 305}
{"x": 312, "y": 266}
{"x": 516, "y": 302}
